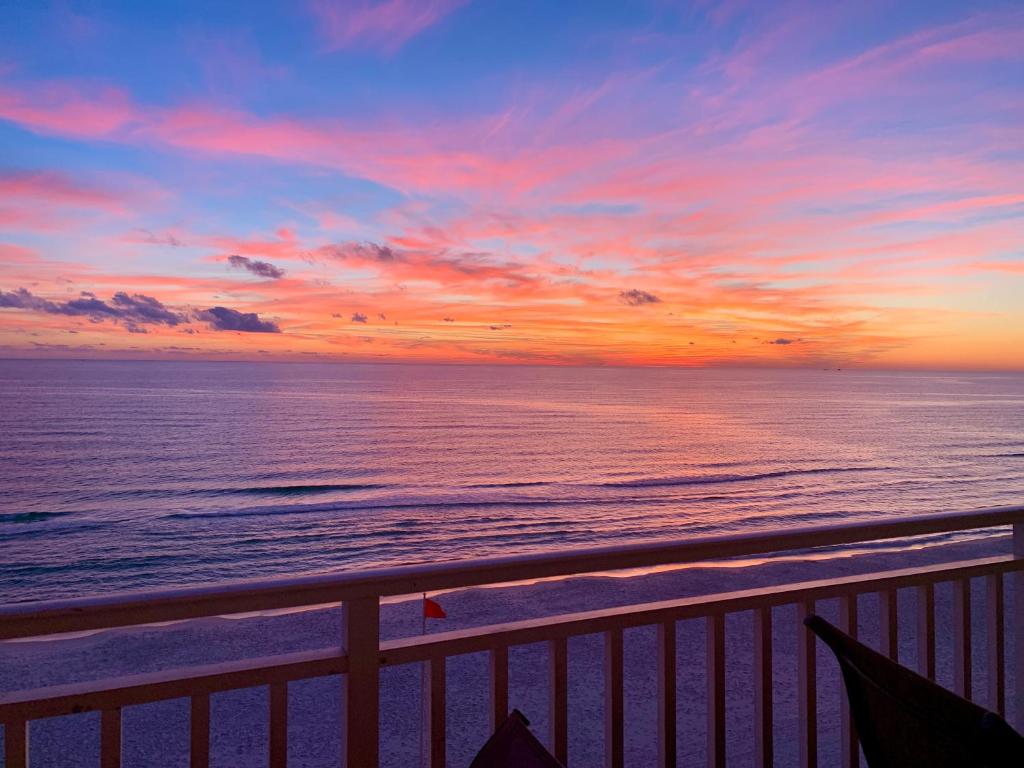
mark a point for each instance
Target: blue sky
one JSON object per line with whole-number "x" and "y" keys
{"x": 843, "y": 175}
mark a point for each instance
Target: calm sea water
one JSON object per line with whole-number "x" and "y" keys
{"x": 123, "y": 475}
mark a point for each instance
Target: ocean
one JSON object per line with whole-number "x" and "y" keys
{"x": 129, "y": 475}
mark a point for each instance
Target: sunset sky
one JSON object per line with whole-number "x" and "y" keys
{"x": 659, "y": 183}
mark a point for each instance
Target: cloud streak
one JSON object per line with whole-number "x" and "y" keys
{"x": 384, "y": 25}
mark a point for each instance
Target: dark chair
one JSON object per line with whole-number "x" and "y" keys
{"x": 904, "y": 719}
{"x": 513, "y": 745}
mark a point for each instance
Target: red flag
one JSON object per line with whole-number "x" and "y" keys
{"x": 433, "y": 610}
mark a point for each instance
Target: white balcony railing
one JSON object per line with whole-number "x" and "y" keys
{"x": 361, "y": 654}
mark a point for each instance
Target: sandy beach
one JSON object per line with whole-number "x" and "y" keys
{"x": 156, "y": 735}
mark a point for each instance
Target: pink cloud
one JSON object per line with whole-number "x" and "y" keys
{"x": 1013, "y": 267}
{"x": 445, "y": 157}
{"x": 385, "y": 25}
{"x": 66, "y": 108}
{"x": 521, "y": 152}
{"x": 52, "y": 188}
{"x": 17, "y": 254}
{"x": 53, "y": 201}
{"x": 50, "y": 201}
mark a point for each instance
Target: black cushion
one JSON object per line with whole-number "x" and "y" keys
{"x": 904, "y": 719}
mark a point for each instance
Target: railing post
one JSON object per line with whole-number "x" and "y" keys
{"x": 199, "y": 731}
{"x": 888, "y": 624}
{"x": 499, "y": 686}
{"x": 849, "y": 744}
{"x": 715, "y": 642}
{"x": 278, "y": 725}
{"x": 1018, "y": 629}
{"x": 667, "y": 682}
{"x": 926, "y": 630}
{"x": 16, "y": 744}
{"x": 436, "y": 712}
{"x": 361, "y": 685}
{"x": 110, "y": 738}
{"x": 995, "y": 640}
{"x": 962, "y": 640}
{"x": 558, "y": 698}
{"x": 764, "y": 730}
{"x": 807, "y": 687}
{"x": 614, "y": 750}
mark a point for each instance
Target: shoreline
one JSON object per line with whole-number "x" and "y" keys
{"x": 819, "y": 555}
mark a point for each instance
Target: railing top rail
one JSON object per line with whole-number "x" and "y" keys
{"x": 126, "y": 609}
{"x": 525, "y": 631}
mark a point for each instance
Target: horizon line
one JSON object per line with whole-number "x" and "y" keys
{"x": 514, "y": 364}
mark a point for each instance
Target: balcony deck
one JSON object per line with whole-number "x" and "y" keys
{"x": 361, "y": 654}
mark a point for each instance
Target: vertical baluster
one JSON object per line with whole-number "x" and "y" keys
{"x": 279, "y": 725}
{"x": 848, "y": 731}
{"x": 199, "y": 731}
{"x": 499, "y": 686}
{"x": 110, "y": 738}
{"x": 962, "y": 638}
{"x": 613, "y": 744}
{"x": 926, "y": 630}
{"x": 361, "y": 685}
{"x": 558, "y": 698}
{"x": 716, "y": 690}
{"x": 888, "y": 624}
{"x": 994, "y": 632}
{"x": 1017, "y": 579}
{"x": 15, "y": 744}
{"x": 437, "y": 712}
{"x": 763, "y": 745}
{"x": 807, "y": 686}
{"x": 667, "y": 694}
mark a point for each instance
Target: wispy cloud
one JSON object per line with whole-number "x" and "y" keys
{"x": 385, "y": 25}
{"x": 52, "y": 187}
